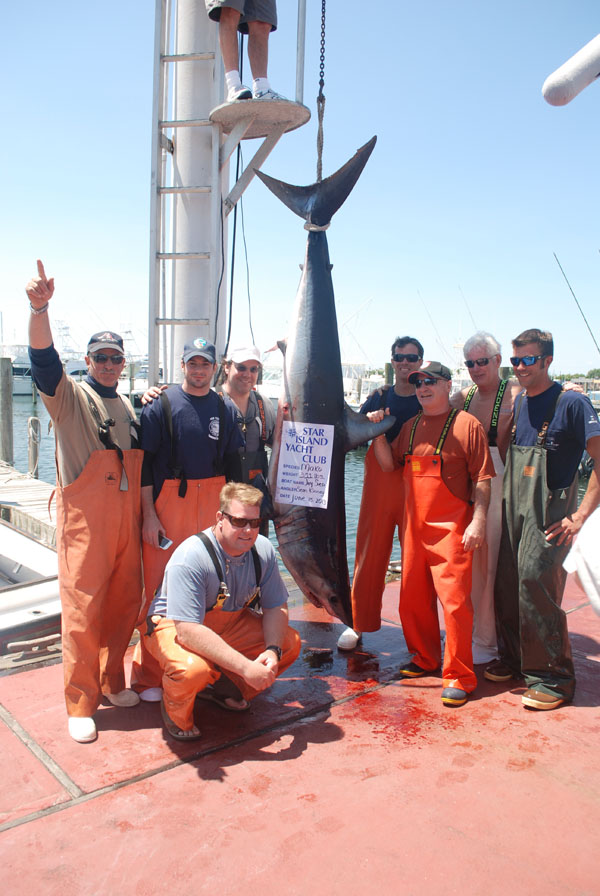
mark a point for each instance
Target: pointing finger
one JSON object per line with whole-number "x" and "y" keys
{"x": 41, "y": 270}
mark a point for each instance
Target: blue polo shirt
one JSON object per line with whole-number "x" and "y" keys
{"x": 574, "y": 422}
{"x": 402, "y": 407}
{"x": 195, "y": 434}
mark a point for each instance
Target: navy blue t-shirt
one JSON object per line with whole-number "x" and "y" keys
{"x": 402, "y": 407}
{"x": 195, "y": 432}
{"x": 574, "y": 422}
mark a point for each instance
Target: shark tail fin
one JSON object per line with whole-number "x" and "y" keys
{"x": 318, "y": 202}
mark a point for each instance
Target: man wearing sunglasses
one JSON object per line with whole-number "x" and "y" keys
{"x": 206, "y": 636}
{"x": 98, "y": 513}
{"x": 490, "y": 399}
{"x": 446, "y": 472}
{"x": 540, "y": 519}
{"x": 188, "y": 434}
{"x": 382, "y": 503}
{"x": 255, "y": 416}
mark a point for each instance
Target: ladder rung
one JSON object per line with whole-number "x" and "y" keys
{"x": 188, "y": 57}
{"x": 185, "y": 255}
{"x": 177, "y": 321}
{"x": 184, "y": 189}
{"x": 188, "y": 123}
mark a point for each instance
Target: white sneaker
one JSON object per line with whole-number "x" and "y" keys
{"x": 239, "y": 93}
{"x": 126, "y": 697}
{"x": 151, "y": 695}
{"x": 268, "y": 95}
{"x": 82, "y": 729}
{"x": 349, "y": 639}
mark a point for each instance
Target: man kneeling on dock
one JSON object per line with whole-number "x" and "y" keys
{"x": 98, "y": 512}
{"x": 203, "y": 629}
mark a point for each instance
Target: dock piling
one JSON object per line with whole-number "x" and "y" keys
{"x": 6, "y": 410}
{"x": 34, "y": 439}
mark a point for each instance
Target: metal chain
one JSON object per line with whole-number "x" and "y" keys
{"x": 321, "y": 98}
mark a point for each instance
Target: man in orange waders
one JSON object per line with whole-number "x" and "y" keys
{"x": 382, "y": 503}
{"x": 188, "y": 434}
{"x": 446, "y": 459}
{"x": 205, "y": 634}
{"x": 98, "y": 513}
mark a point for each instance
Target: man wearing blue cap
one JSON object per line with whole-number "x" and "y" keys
{"x": 186, "y": 436}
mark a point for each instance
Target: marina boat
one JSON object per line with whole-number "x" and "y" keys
{"x": 29, "y": 597}
{"x": 19, "y": 356}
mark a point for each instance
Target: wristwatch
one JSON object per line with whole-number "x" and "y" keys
{"x": 277, "y": 650}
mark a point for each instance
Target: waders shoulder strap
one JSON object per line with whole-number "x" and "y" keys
{"x": 175, "y": 468}
{"x": 493, "y": 430}
{"x": 469, "y": 397}
{"x": 223, "y": 590}
{"x": 263, "y": 420}
{"x": 219, "y": 464}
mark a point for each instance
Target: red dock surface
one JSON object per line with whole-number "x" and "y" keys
{"x": 340, "y": 779}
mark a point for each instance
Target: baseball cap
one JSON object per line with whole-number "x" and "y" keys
{"x": 432, "y": 368}
{"x": 199, "y": 348}
{"x": 105, "y": 339}
{"x": 239, "y": 355}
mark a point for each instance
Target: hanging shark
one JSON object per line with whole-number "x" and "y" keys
{"x": 312, "y": 539}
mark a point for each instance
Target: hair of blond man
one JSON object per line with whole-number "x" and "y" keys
{"x": 239, "y": 491}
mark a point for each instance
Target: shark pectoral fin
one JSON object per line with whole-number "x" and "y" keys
{"x": 360, "y": 430}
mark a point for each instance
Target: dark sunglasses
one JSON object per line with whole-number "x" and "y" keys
{"x": 527, "y": 360}
{"x": 481, "y": 362}
{"x": 242, "y": 368}
{"x": 426, "y": 381}
{"x": 100, "y": 358}
{"x": 411, "y": 358}
{"x": 240, "y": 522}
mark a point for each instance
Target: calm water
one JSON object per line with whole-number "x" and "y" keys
{"x": 24, "y": 407}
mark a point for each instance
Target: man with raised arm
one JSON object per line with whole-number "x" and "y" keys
{"x": 447, "y": 472}
{"x": 490, "y": 399}
{"x": 540, "y": 518}
{"x": 206, "y": 636}
{"x": 98, "y": 513}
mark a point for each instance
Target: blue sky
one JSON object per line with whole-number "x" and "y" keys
{"x": 474, "y": 183}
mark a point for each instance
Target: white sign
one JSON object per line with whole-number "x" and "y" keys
{"x": 305, "y": 464}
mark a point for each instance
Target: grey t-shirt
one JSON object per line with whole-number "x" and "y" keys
{"x": 190, "y": 584}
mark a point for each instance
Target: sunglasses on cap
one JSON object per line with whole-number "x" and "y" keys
{"x": 240, "y": 522}
{"x": 101, "y": 358}
{"x": 242, "y": 368}
{"x": 481, "y": 362}
{"x": 426, "y": 381}
{"x": 411, "y": 357}
{"x": 527, "y": 360}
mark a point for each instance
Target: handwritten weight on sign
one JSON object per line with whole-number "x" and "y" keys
{"x": 305, "y": 464}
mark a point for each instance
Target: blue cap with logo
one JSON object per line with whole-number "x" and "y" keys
{"x": 199, "y": 348}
